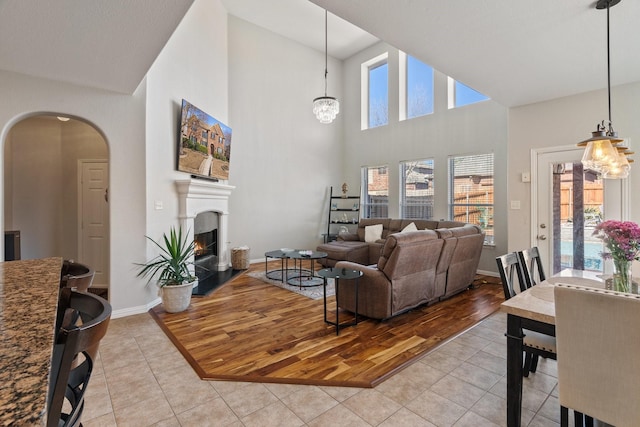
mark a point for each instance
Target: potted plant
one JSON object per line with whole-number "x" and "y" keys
{"x": 171, "y": 267}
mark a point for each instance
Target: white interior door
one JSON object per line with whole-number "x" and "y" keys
{"x": 93, "y": 244}
{"x": 561, "y": 239}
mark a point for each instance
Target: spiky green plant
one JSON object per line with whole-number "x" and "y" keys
{"x": 171, "y": 266}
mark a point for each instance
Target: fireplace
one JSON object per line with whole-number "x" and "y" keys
{"x": 206, "y": 244}
{"x": 204, "y": 212}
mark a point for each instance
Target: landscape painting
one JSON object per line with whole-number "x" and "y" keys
{"x": 204, "y": 148}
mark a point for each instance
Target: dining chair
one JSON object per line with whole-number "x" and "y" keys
{"x": 531, "y": 264}
{"x": 598, "y": 346}
{"x": 81, "y": 323}
{"x": 534, "y": 344}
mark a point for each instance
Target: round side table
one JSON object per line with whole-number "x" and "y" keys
{"x": 337, "y": 274}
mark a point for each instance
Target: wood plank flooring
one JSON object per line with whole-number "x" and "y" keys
{"x": 249, "y": 330}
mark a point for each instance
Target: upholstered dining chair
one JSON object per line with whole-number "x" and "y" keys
{"x": 81, "y": 323}
{"x": 531, "y": 264}
{"x": 535, "y": 344}
{"x": 598, "y": 345}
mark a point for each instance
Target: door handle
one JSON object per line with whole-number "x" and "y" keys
{"x": 542, "y": 237}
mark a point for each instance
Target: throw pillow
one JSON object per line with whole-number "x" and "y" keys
{"x": 410, "y": 227}
{"x": 372, "y": 233}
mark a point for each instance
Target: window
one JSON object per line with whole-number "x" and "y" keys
{"x": 471, "y": 191}
{"x": 375, "y": 92}
{"x": 461, "y": 95}
{"x": 416, "y": 189}
{"x": 375, "y": 188}
{"x": 416, "y": 87}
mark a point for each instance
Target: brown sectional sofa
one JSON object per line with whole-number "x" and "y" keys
{"x": 411, "y": 268}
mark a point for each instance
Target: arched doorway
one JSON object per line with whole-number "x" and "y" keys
{"x": 55, "y": 191}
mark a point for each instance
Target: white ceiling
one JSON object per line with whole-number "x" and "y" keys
{"x": 108, "y": 44}
{"x": 516, "y": 52}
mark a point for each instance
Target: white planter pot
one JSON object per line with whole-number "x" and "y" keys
{"x": 176, "y": 298}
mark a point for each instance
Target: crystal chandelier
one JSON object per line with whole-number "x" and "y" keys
{"x": 604, "y": 152}
{"x": 326, "y": 108}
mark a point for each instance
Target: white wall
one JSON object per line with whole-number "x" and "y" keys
{"x": 41, "y": 159}
{"x": 193, "y": 65}
{"x": 283, "y": 160}
{"x": 120, "y": 119}
{"x": 35, "y": 149}
{"x": 473, "y": 129}
{"x": 561, "y": 122}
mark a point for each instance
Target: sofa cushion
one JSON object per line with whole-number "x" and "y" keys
{"x": 347, "y": 251}
{"x": 410, "y": 227}
{"x": 372, "y": 233}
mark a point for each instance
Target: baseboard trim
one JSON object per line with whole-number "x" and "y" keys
{"x": 130, "y": 311}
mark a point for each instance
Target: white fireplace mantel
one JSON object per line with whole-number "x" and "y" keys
{"x": 196, "y": 196}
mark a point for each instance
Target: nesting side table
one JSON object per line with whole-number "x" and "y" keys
{"x": 337, "y": 274}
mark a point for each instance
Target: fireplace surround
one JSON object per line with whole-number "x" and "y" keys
{"x": 197, "y": 196}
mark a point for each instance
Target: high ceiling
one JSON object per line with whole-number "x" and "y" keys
{"x": 516, "y": 52}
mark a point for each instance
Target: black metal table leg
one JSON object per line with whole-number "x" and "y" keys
{"x": 514, "y": 370}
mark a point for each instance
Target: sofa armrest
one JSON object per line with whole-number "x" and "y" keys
{"x": 370, "y": 271}
{"x": 349, "y": 237}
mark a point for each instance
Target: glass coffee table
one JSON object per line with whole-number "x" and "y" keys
{"x": 337, "y": 274}
{"x": 305, "y": 277}
{"x": 280, "y": 254}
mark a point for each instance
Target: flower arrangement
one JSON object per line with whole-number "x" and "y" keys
{"x": 622, "y": 239}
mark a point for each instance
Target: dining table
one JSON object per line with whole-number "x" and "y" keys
{"x": 29, "y": 292}
{"x": 534, "y": 310}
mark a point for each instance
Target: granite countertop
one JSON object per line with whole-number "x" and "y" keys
{"x": 28, "y": 303}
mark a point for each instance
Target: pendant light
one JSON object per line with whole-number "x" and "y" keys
{"x": 603, "y": 152}
{"x": 326, "y": 108}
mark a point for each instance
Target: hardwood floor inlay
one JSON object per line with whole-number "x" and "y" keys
{"x": 249, "y": 330}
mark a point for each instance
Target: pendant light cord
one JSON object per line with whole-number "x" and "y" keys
{"x": 325, "y": 55}
{"x": 609, "y": 70}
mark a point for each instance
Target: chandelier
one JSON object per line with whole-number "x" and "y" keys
{"x": 605, "y": 153}
{"x": 326, "y": 108}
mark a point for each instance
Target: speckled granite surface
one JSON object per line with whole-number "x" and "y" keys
{"x": 28, "y": 302}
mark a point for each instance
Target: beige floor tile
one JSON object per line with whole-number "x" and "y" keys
{"x": 169, "y": 422}
{"x": 130, "y": 385}
{"x": 476, "y": 375}
{"x": 402, "y": 388}
{"x": 436, "y": 409}
{"x": 458, "y": 350}
{"x": 442, "y": 361}
{"x": 274, "y": 415}
{"x": 226, "y": 387}
{"x": 422, "y": 374}
{"x": 474, "y": 420}
{"x": 144, "y": 413}
{"x": 214, "y": 412}
{"x": 490, "y": 362}
{"x": 340, "y": 393}
{"x": 249, "y": 399}
{"x": 282, "y": 390}
{"x": 372, "y": 406}
{"x": 540, "y": 381}
{"x": 106, "y": 420}
{"x": 405, "y": 418}
{"x": 458, "y": 391}
{"x": 341, "y": 413}
{"x": 138, "y": 366}
{"x": 309, "y": 402}
{"x": 472, "y": 340}
{"x": 97, "y": 398}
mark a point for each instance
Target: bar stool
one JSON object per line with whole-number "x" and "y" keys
{"x": 81, "y": 323}
{"x": 75, "y": 275}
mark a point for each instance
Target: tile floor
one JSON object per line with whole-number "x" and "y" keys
{"x": 142, "y": 380}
